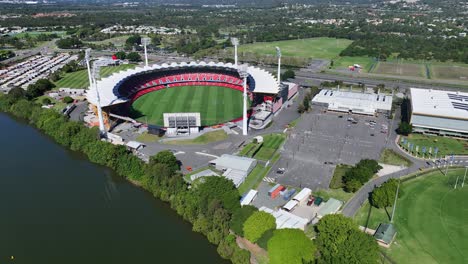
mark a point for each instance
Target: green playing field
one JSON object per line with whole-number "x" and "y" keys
{"x": 215, "y": 104}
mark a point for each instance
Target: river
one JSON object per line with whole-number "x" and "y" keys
{"x": 56, "y": 207}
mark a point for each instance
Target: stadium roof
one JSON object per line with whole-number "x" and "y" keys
{"x": 265, "y": 82}
{"x": 439, "y": 103}
{"x": 363, "y": 103}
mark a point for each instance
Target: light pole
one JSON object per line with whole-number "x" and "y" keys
{"x": 243, "y": 74}
{"x": 146, "y": 42}
{"x": 235, "y": 43}
{"x": 278, "y": 53}
{"x": 463, "y": 182}
{"x": 394, "y": 203}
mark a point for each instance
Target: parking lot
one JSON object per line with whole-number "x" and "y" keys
{"x": 322, "y": 140}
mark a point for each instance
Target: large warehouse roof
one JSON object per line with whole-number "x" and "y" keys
{"x": 362, "y": 103}
{"x": 265, "y": 82}
{"x": 439, "y": 103}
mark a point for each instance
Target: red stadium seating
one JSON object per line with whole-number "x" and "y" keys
{"x": 142, "y": 87}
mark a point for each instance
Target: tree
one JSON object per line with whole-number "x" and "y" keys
{"x": 384, "y": 196}
{"x": 239, "y": 217}
{"x": 288, "y": 74}
{"x": 218, "y": 188}
{"x": 301, "y": 108}
{"x": 68, "y": 100}
{"x": 168, "y": 158}
{"x": 257, "y": 224}
{"x": 290, "y": 246}
{"x": 340, "y": 241}
{"x": 46, "y": 101}
{"x": 405, "y": 128}
{"x": 121, "y": 55}
{"x": 133, "y": 40}
{"x": 16, "y": 93}
{"x": 134, "y": 56}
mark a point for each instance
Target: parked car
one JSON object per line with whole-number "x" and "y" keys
{"x": 310, "y": 201}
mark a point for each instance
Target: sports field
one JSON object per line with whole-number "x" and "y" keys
{"x": 456, "y": 72}
{"x": 323, "y": 48}
{"x": 343, "y": 63}
{"x": 79, "y": 79}
{"x": 431, "y": 221}
{"x": 215, "y": 104}
{"x": 400, "y": 69}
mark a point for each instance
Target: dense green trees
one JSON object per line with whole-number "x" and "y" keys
{"x": 290, "y": 246}
{"x": 69, "y": 43}
{"x": 239, "y": 217}
{"x": 39, "y": 88}
{"x": 384, "y": 195}
{"x": 361, "y": 173}
{"x": 288, "y": 74}
{"x": 340, "y": 241}
{"x": 257, "y": 224}
{"x": 133, "y": 56}
{"x": 67, "y": 100}
{"x": 405, "y": 128}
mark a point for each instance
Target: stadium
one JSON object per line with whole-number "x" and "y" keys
{"x": 214, "y": 90}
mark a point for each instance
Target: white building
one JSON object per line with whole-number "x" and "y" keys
{"x": 285, "y": 219}
{"x": 354, "y": 102}
{"x": 439, "y": 112}
{"x": 235, "y": 168}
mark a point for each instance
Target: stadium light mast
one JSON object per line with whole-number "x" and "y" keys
{"x": 244, "y": 74}
{"x": 95, "y": 76}
{"x": 235, "y": 43}
{"x": 146, "y": 42}
{"x": 278, "y": 54}
{"x": 88, "y": 65}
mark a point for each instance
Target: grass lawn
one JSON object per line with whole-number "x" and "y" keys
{"x": 294, "y": 122}
{"x": 253, "y": 179}
{"x": 145, "y": 137}
{"x": 372, "y": 218}
{"x": 337, "y": 179}
{"x": 431, "y": 221}
{"x": 344, "y": 62}
{"x": 390, "y": 157}
{"x": 446, "y": 145}
{"x": 206, "y": 138}
{"x": 271, "y": 143}
{"x": 215, "y": 104}
{"x": 325, "y": 48}
{"x": 338, "y": 194}
{"x": 400, "y": 69}
{"x": 247, "y": 149}
{"x": 79, "y": 79}
{"x": 117, "y": 41}
{"x": 455, "y": 72}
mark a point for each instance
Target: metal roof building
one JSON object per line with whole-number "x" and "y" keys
{"x": 332, "y": 206}
{"x": 235, "y": 168}
{"x": 439, "y": 112}
{"x": 358, "y": 103}
{"x": 285, "y": 219}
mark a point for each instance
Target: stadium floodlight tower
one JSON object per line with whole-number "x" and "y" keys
{"x": 88, "y": 65}
{"x": 278, "y": 53}
{"x": 244, "y": 74}
{"x": 96, "y": 69}
{"x": 235, "y": 43}
{"x": 146, "y": 42}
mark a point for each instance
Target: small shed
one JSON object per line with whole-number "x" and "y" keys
{"x": 303, "y": 196}
{"x": 249, "y": 197}
{"x": 332, "y": 206}
{"x": 135, "y": 145}
{"x": 385, "y": 234}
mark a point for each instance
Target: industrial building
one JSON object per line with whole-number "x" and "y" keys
{"x": 354, "y": 102}
{"x": 439, "y": 112}
{"x": 235, "y": 168}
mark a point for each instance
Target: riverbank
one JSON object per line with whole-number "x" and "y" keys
{"x": 160, "y": 177}
{"x": 60, "y": 208}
